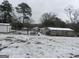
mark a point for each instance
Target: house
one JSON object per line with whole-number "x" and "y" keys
{"x": 5, "y": 27}
{"x": 57, "y": 31}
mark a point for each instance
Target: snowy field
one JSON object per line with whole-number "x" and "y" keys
{"x": 25, "y": 46}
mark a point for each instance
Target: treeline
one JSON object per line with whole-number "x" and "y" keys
{"x": 8, "y": 14}
{"x": 51, "y": 20}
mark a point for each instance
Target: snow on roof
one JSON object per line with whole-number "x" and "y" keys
{"x": 67, "y": 29}
{"x": 4, "y": 24}
{"x": 24, "y": 28}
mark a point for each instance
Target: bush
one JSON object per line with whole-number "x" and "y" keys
{"x": 16, "y": 25}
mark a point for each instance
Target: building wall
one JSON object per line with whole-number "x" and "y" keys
{"x": 5, "y": 28}
{"x": 61, "y": 33}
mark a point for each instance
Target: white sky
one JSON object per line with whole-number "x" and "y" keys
{"x": 41, "y": 6}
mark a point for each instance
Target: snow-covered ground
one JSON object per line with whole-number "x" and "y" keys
{"x": 26, "y": 46}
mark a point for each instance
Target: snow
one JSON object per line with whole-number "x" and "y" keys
{"x": 26, "y": 46}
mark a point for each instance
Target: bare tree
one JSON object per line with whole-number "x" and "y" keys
{"x": 72, "y": 14}
{"x": 76, "y": 15}
{"x": 47, "y": 16}
{"x": 51, "y": 20}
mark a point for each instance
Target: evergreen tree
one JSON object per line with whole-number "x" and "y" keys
{"x": 6, "y": 9}
{"x": 25, "y": 10}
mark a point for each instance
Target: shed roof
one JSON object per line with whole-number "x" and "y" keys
{"x": 67, "y": 29}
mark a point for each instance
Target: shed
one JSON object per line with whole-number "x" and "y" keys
{"x": 5, "y": 27}
{"x": 58, "y": 31}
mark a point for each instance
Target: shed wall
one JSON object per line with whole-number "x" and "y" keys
{"x": 5, "y": 28}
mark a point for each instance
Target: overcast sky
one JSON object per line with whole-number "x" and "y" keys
{"x": 41, "y": 6}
